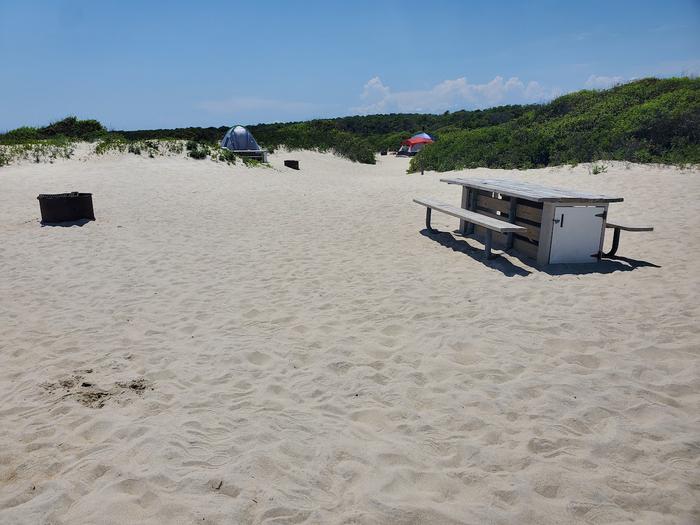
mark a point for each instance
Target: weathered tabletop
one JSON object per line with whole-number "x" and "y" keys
{"x": 531, "y": 192}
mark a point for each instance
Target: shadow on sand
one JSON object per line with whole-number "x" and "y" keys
{"x": 459, "y": 245}
{"x": 606, "y": 265}
{"x": 67, "y": 224}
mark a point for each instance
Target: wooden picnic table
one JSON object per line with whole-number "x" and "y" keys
{"x": 529, "y": 191}
{"x": 561, "y": 225}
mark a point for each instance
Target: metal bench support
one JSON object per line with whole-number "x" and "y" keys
{"x": 428, "y": 213}
{"x": 615, "y": 243}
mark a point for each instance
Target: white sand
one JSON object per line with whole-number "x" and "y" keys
{"x": 265, "y": 345}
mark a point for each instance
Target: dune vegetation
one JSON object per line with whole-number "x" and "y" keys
{"x": 645, "y": 121}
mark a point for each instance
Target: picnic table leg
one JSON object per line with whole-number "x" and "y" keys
{"x": 487, "y": 244}
{"x": 615, "y": 243}
{"x": 465, "y": 203}
{"x": 511, "y": 218}
{"x": 428, "y": 213}
{"x": 472, "y": 207}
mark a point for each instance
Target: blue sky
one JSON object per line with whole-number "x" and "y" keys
{"x": 150, "y": 64}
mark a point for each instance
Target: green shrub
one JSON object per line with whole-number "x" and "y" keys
{"x": 226, "y": 156}
{"x": 198, "y": 154}
{"x": 36, "y": 151}
{"x": 197, "y": 150}
{"x": 173, "y": 146}
{"x": 111, "y": 143}
{"x": 73, "y": 128}
{"x": 250, "y": 162}
{"x": 67, "y": 129}
{"x": 20, "y": 135}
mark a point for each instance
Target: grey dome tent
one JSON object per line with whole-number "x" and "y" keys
{"x": 241, "y": 142}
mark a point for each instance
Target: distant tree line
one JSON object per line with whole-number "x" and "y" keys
{"x": 649, "y": 120}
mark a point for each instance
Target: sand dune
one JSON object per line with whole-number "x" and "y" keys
{"x": 261, "y": 345}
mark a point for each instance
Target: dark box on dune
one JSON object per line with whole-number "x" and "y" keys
{"x": 294, "y": 164}
{"x": 65, "y": 207}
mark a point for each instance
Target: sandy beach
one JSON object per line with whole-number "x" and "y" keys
{"x": 228, "y": 344}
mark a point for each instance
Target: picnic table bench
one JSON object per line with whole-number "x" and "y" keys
{"x": 616, "y": 234}
{"x": 489, "y": 223}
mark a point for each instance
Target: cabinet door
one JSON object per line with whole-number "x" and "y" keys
{"x": 576, "y": 234}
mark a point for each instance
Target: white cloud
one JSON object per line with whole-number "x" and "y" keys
{"x": 603, "y": 82}
{"x": 450, "y": 94}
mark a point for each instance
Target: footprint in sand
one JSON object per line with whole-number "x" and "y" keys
{"x": 584, "y": 360}
{"x": 188, "y": 329}
{"x": 392, "y": 330}
{"x": 506, "y": 496}
{"x": 251, "y": 314}
{"x": 257, "y": 358}
{"x": 89, "y": 394}
{"x": 542, "y": 446}
{"x": 547, "y": 491}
